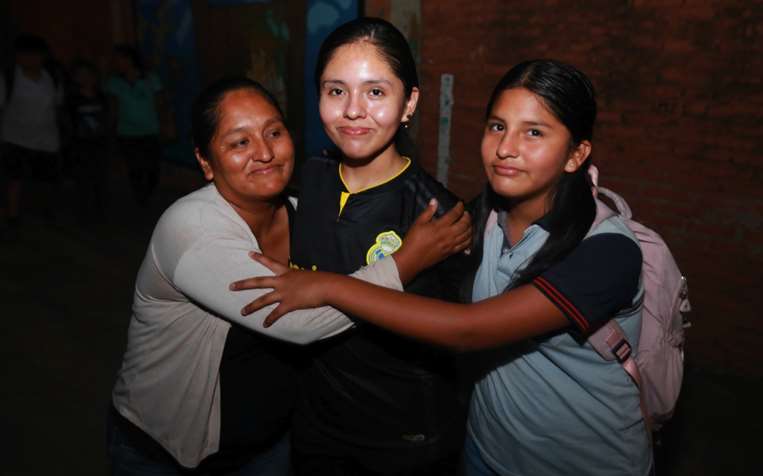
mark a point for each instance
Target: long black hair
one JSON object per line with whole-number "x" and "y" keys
{"x": 570, "y": 96}
{"x": 392, "y": 47}
{"x": 205, "y": 115}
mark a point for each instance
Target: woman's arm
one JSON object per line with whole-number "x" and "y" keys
{"x": 196, "y": 252}
{"x": 203, "y": 275}
{"x": 509, "y": 317}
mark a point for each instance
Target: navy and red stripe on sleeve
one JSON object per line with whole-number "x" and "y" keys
{"x": 595, "y": 281}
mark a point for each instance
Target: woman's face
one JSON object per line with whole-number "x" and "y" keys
{"x": 251, "y": 156}
{"x": 525, "y": 148}
{"x": 362, "y": 102}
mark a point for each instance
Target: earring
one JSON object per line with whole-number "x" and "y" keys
{"x": 406, "y": 124}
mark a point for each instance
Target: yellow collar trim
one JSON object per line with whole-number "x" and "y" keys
{"x": 407, "y": 164}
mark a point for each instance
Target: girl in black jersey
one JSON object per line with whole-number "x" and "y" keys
{"x": 371, "y": 402}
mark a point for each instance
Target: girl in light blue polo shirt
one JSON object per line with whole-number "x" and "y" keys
{"x": 547, "y": 403}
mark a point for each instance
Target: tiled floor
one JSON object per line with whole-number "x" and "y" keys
{"x": 67, "y": 290}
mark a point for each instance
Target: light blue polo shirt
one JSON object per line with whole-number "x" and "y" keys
{"x": 136, "y": 103}
{"x": 552, "y": 405}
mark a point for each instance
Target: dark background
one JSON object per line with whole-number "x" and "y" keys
{"x": 680, "y": 135}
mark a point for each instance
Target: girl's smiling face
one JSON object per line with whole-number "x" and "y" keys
{"x": 251, "y": 152}
{"x": 526, "y": 149}
{"x": 362, "y": 102}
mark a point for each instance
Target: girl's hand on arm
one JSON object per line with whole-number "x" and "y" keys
{"x": 431, "y": 240}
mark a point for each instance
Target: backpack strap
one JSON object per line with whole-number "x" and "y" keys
{"x": 619, "y": 202}
{"x": 610, "y": 343}
{"x": 603, "y": 212}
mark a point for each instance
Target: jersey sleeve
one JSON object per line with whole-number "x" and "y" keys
{"x": 443, "y": 280}
{"x": 595, "y": 281}
{"x": 431, "y": 188}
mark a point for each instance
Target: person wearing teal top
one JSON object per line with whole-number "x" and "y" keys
{"x": 135, "y": 100}
{"x": 136, "y": 104}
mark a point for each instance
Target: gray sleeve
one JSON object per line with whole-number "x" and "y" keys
{"x": 206, "y": 269}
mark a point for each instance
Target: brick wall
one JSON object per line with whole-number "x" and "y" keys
{"x": 680, "y": 130}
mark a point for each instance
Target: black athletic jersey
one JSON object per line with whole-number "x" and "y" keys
{"x": 367, "y": 388}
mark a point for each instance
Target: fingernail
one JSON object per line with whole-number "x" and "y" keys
{"x": 433, "y": 201}
{"x": 232, "y": 286}
{"x": 243, "y": 312}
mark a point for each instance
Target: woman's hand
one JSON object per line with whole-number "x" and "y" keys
{"x": 430, "y": 240}
{"x": 292, "y": 289}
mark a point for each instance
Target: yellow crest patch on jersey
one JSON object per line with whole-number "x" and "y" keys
{"x": 386, "y": 243}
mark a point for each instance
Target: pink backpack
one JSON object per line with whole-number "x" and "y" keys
{"x": 657, "y": 368}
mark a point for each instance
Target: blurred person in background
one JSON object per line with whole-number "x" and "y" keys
{"x": 136, "y": 100}
{"x": 88, "y": 111}
{"x": 30, "y": 95}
